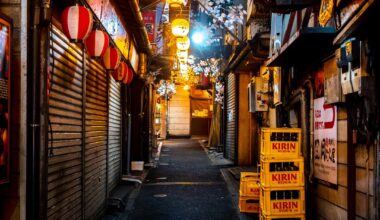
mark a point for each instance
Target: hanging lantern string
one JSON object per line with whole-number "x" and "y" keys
{"x": 98, "y": 22}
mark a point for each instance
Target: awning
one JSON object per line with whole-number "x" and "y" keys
{"x": 366, "y": 13}
{"x": 306, "y": 45}
{"x": 250, "y": 55}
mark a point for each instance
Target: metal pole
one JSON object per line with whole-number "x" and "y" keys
{"x": 129, "y": 145}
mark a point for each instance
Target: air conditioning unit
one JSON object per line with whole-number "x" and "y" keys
{"x": 258, "y": 95}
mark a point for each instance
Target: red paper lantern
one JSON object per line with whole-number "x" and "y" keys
{"x": 128, "y": 77}
{"x": 76, "y": 22}
{"x": 111, "y": 58}
{"x": 121, "y": 72}
{"x": 96, "y": 43}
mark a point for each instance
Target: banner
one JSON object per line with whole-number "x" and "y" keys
{"x": 325, "y": 142}
{"x": 150, "y": 22}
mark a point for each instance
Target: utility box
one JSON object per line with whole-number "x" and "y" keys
{"x": 352, "y": 60}
{"x": 258, "y": 95}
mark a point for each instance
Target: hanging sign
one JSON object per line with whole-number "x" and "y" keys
{"x": 325, "y": 142}
{"x": 150, "y": 20}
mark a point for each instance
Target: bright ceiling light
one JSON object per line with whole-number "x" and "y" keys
{"x": 197, "y": 37}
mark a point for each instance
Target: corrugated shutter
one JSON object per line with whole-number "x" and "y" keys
{"x": 96, "y": 138}
{"x": 231, "y": 118}
{"x": 114, "y": 132}
{"x": 65, "y": 130}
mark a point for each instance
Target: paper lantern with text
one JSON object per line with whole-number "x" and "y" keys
{"x": 121, "y": 72}
{"x": 111, "y": 58}
{"x": 76, "y": 22}
{"x": 183, "y": 43}
{"x": 180, "y": 27}
{"x": 96, "y": 43}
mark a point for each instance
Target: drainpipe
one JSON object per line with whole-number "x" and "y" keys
{"x": 141, "y": 30}
{"x": 37, "y": 126}
{"x": 308, "y": 84}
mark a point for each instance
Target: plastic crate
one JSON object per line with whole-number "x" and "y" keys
{"x": 280, "y": 143}
{"x": 282, "y": 201}
{"x": 282, "y": 172}
{"x": 249, "y": 184}
{"x": 276, "y": 217}
{"x": 249, "y": 205}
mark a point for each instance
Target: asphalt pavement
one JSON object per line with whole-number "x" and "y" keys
{"x": 184, "y": 185}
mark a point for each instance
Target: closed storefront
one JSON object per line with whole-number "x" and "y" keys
{"x": 96, "y": 138}
{"x": 65, "y": 171}
{"x": 114, "y": 134}
{"x": 231, "y": 117}
{"x": 84, "y": 162}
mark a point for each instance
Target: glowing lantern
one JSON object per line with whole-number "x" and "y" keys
{"x": 183, "y": 43}
{"x": 177, "y": 3}
{"x": 180, "y": 27}
{"x": 76, "y": 22}
{"x": 121, "y": 72}
{"x": 128, "y": 77}
{"x": 183, "y": 67}
{"x": 96, "y": 43}
{"x": 182, "y": 53}
{"x": 111, "y": 58}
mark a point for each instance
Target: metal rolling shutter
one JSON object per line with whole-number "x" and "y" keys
{"x": 96, "y": 138}
{"x": 231, "y": 118}
{"x": 65, "y": 131}
{"x": 114, "y": 135}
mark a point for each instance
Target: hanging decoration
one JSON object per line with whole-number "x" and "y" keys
{"x": 180, "y": 27}
{"x": 183, "y": 43}
{"x": 182, "y": 53}
{"x": 121, "y": 72}
{"x": 177, "y": 3}
{"x": 76, "y": 22}
{"x": 111, "y": 58}
{"x": 96, "y": 43}
{"x": 128, "y": 76}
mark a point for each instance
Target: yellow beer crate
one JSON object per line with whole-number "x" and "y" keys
{"x": 280, "y": 143}
{"x": 282, "y": 172}
{"x": 249, "y": 184}
{"x": 249, "y": 204}
{"x": 276, "y": 217}
{"x": 282, "y": 201}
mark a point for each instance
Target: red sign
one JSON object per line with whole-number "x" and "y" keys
{"x": 150, "y": 23}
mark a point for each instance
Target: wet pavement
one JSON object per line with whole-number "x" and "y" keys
{"x": 184, "y": 185}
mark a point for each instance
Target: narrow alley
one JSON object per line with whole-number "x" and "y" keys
{"x": 189, "y": 109}
{"x": 184, "y": 185}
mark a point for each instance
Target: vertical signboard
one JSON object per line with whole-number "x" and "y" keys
{"x": 325, "y": 142}
{"x": 5, "y": 59}
{"x": 150, "y": 21}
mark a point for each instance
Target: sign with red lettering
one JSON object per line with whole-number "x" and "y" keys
{"x": 284, "y": 147}
{"x": 325, "y": 142}
{"x": 150, "y": 24}
{"x": 287, "y": 178}
{"x": 285, "y": 206}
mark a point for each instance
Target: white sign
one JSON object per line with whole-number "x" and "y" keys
{"x": 325, "y": 141}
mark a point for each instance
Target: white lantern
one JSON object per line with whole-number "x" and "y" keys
{"x": 183, "y": 43}
{"x": 180, "y": 27}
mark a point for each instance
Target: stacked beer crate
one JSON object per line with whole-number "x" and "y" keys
{"x": 249, "y": 192}
{"x": 282, "y": 194}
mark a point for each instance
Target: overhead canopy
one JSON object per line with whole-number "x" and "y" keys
{"x": 306, "y": 45}
{"x": 251, "y": 54}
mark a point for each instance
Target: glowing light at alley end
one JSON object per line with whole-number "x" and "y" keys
{"x": 197, "y": 37}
